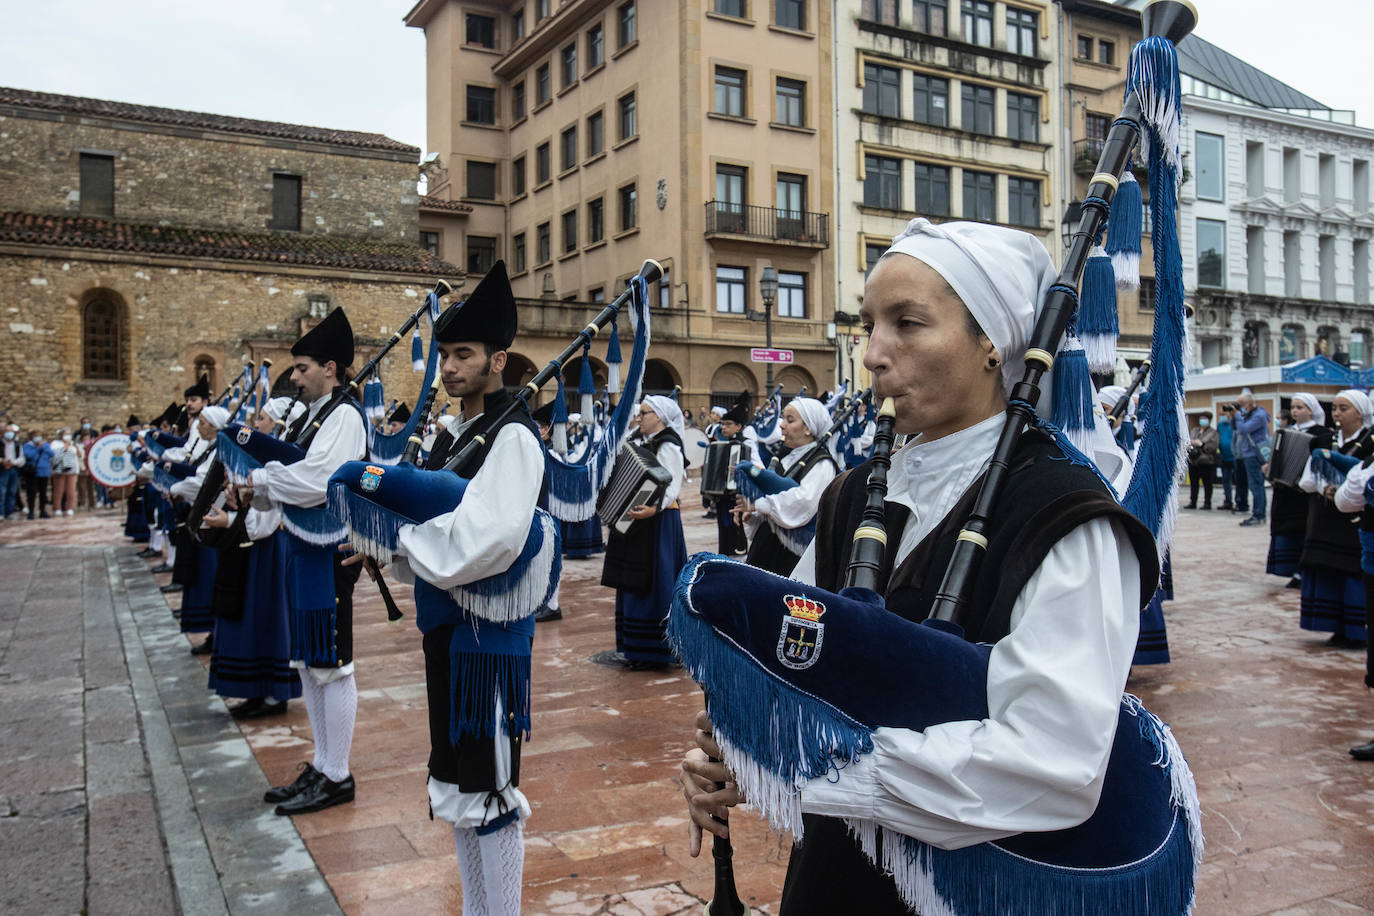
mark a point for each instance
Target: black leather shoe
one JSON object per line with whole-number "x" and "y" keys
{"x": 1294, "y": 582}
{"x": 1191, "y": 506}
{"x": 1363, "y": 752}
{"x": 321, "y": 794}
{"x": 308, "y": 777}
{"x": 258, "y": 708}
{"x": 204, "y": 648}
{"x": 160, "y": 568}
{"x": 147, "y": 553}
{"x": 170, "y": 587}
{"x": 548, "y": 613}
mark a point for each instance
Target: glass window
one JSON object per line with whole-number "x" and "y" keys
{"x": 791, "y": 206}
{"x": 730, "y": 289}
{"x": 1023, "y": 202}
{"x": 932, "y": 190}
{"x": 481, "y": 105}
{"x": 731, "y": 181}
{"x": 569, "y": 65}
{"x": 1023, "y": 117}
{"x": 1095, "y": 128}
{"x": 482, "y": 180}
{"x": 729, "y": 92}
{"x": 568, "y": 147}
{"x": 597, "y": 296}
{"x": 628, "y": 28}
{"x": 884, "y": 11}
{"x": 729, "y": 7}
{"x": 517, "y": 176}
{"x": 1211, "y": 167}
{"x": 976, "y": 16}
{"x": 481, "y": 30}
{"x": 102, "y": 347}
{"x": 791, "y": 102}
{"x": 517, "y": 25}
{"x": 627, "y": 116}
{"x": 596, "y": 46}
{"x": 792, "y": 14}
{"x": 596, "y": 133}
{"x": 543, "y": 243}
{"x": 543, "y": 164}
{"x": 980, "y": 196}
{"x": 481, "y": 253}
{"x": 978, "y": 115}
{"x": 1021, "y": 28}
{"x": 596, "y": 220}
{"x": 931, "y": 100}
{"x": 929, "y": 16}
{"x": 791, "y": 295}
{"x": 543, "y": 89}
{"x": 517, "y": 101}
{"x": 97, "y": 188}
{"x": 429, "y": 241}
{"x": 286, "y": 200}
{"x": 1085, "y": 47}
{"x": 881, "y": 86}
{"x": 569, "y": 231}
{"x": 541, "y": 10}
{"x": 1106, "y": 53}
{"x": 518, "y": 252}
{"x": 872, "y": 253}
{"x": 1358, "y": 347}
{"x": 883, "y": 182}
{"x": 1211, "y": 252}
{"x": 665, "y": 289}
{"x": 629, "y": 207}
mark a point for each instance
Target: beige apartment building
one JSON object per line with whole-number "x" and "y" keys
{"x": 945, "y": 109}
{"x": 574, "y": 139}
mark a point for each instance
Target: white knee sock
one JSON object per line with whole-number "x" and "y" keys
{"x": 340, "y": 711}
{"x": 553, "y": 602}
{"x": 470, "y": 867}
{"x": 503, "y": 868}
{"x": 155, "y": 539}
{"x": 313, "y": 694}
{"x": 169, "y": 550}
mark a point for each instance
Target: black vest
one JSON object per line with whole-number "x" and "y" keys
{"x": 1333, "y": 539}
{"x": 488, "y": 425}
{"x": 1288, "y": 509}
{"x": 629, "y": 562}
{"x": 768, "y": 551}
{"x": 1045, "y": 498}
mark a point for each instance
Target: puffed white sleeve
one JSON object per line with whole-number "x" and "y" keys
{"x": 797, "y": 506}
{"x": 1053, "y": 687}
{"x": 189, "y": 488}
{"x": 1308, "y": 481}
{"x": 673, "y": 461}
{"x": 342, "y": 437}
{"x": 262, "y": 523}
{"x": 485, "y": 534}
{"x": 1350, "y": 495}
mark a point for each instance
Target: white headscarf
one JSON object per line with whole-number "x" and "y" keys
{"x": 218, "y": 417}
{"x": 813, "y": 414}
{"x": 717, "y": 412}
{"x": 1001, "y": 274}
{"x": 1109, "y": 395}
{"x": 1362, "y": 404}
{"x": 276, "y": 409}
{"x": 1318, "y": 414}
{"x": 668, "y": 412}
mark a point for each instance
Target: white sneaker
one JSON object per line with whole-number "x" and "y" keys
{"x": 71, "y": 511}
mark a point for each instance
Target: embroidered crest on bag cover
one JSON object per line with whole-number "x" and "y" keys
{"x": 799, "y": 643}
{"x": 371, "y": 479}
{"x": 244, "y": 434}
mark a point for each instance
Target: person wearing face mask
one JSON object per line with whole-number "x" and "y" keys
{"x": 11, "y": 463}
{"x": 1203, "y": 443}
{"x": 37, "y": 456}
{"x": 1288, "y": 514}
{"x": 66, "y": 462}
{"x": 86, "y": 496}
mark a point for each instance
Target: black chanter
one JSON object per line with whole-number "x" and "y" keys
{"x": 1124, "y": 403}
{"x": 870, "y": 538}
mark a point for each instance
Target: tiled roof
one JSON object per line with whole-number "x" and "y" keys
{"x": 266, "y": 248}
{"x": 451, "y": 206}
{"x": 1205, "y": 61}
{"x": 71, "y": 104}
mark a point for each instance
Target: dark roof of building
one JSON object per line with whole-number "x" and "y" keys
{"x": 71, "y": 104}
{"x": 1203, "y": 60}
{"x": 284, "y": 249}
{"x": 451, "y": 206}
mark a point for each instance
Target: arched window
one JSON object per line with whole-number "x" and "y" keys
{"x": 102, "y": 336}
{"x": 205, "y": 365}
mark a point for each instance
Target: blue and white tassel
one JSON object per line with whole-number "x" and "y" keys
{"x": 586, "y": 385}
{"x": 374, "y": 402}
{"x": 1124, "y": 224}
{"x": 560, "y": 418}
{"x": 1073, "y": 397}
{"x": 417, "y": 351}
{"x": 1098, "y": 323}
{"x": 613, "y": 359}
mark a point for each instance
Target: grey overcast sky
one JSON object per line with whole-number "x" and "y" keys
{"x": 353, "y": 65}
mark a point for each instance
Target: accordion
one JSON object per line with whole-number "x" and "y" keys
{"x": 718, "y": 473}
{"x": 1291, "y": 451}
{"x": 637, "y": 480}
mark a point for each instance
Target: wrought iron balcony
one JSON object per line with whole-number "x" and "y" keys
{"x": 1087, "y": 152}
{"x": 798, "y": 227}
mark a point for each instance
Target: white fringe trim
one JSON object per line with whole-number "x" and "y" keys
{"x": 1126, "y": 266}
{"x": 1101, "y": 352}
{"x": 525, "y": 597}
{"x": 775, "y": 798}
{"x": 912, "y": 876}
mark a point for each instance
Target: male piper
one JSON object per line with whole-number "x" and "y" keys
{"x": 164, "y": 535}
{"x": 731, "y": 540}
{"x": 319, "y": 588}
{"x": 477, "y": 670}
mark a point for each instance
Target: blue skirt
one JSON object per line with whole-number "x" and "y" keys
{"x": 1332, "y": 602}
{"x": 252, "y": 655}
{"x": 1285, "y": 550}
{"x": 135, "y": 519}
{"x": 198, "y": 599}
{"x": 583, "y": 539}
{"x": 1152, "y": 646}
{"x": 308, "y": 574}
{"x": 640, "y": 618}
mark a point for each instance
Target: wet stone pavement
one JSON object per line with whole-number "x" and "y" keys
{"x": 126, "y": 788}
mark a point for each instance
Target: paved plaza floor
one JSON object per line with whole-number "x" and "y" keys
{"x": 126, "y": 788}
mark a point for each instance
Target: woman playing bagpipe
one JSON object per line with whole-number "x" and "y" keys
{"x": 949, "y": 310}
{"x": 477, "y": 662}
{"x": 1353, "y": 496}
{"x": 642, "y": 564}
{"x": 1332, "y": 589}
{"x": 781, "y": 523}
{"x": 251, "y": 660}
{"x": 1288, "y": 513}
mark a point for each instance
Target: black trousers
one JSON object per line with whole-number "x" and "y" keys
{"x": 36, "y": 493}
{"x": 1205, "y": 473}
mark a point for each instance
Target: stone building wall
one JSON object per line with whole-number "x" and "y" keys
{"x": 205, "y": 178}
{"x": 175, "y": 312}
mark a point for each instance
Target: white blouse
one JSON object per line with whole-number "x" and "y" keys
{"x": 794, "y": 507}
{"x": 342, "y": 437}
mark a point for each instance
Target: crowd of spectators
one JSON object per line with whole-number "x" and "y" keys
{"x": 46, "y": 477}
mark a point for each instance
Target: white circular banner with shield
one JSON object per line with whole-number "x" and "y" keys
{"x": 109, "y": 461}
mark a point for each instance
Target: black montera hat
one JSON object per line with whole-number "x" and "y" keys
{"x": 543, "y": 415}
{"x": 201, "y": 389}
{"x": 740, "y": 412}
{"x": 401, "y": 414}
{"x": 134, "y": 421}
{"x": 487, "y": 315}
{"x": 331, "y": 339}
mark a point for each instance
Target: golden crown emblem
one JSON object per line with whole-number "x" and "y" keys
{"x": 803, "y": 607}
{"x": 117, "y": 452}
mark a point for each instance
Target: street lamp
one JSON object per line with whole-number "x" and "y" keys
{"x": 768, "y": 287}
{"x": 1072, "y": 214}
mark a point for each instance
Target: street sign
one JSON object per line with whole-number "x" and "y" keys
{"x": 762, "y": 355}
